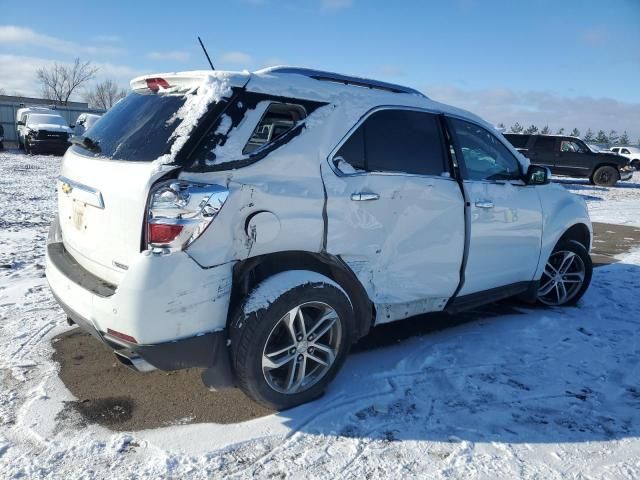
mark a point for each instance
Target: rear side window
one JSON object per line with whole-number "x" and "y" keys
{"x": 276, "y": 121}
{"x": 517, "y": 140}
{"x": 395, "y": 141}
{"x": 545, "y": 144}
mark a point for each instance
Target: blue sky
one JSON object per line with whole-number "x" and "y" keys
{"x": 574, "y": 64}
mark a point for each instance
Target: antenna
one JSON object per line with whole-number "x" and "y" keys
{"x": 205, "y": 52}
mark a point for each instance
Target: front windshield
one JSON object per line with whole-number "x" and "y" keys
{"x": 40, "y": 119}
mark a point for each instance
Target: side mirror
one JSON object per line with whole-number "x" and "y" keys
{"x": 72, "y": 126}
{"x": 21, "y": 123}
{"x": 537, "y": 175}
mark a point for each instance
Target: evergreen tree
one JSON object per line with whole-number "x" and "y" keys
{"x": 601, "y": 137}
{"x": 516, "y": 128}
{"x": 531, "y": 129}
{"x": 588, "y": 137}
{"x": 613, "y": 137}
{"x": 560, "y": 131}
{"x": 575, "y": 133}
{"x": 545, "y": 130}
{"x": 501, "y": 127}
{"x": 624, "y": 138}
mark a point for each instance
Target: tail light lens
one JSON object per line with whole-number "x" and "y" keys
{"x": 179, "y": 212}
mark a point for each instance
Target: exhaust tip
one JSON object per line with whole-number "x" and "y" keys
{"x": 134, "y": 361}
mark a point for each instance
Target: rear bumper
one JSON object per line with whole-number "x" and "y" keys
{"x": 166, "y": 309}
{"x": 626, "y": 173}
{"x": 201, "y": 351}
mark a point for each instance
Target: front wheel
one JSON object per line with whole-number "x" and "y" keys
{"x": 290, "y": 338}
{"x": 635, "y": 163}
{"x": 605, "y": 176}
{"x": 566, "y": 276}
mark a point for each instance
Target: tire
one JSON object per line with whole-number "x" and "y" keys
{"x": 635, "y": 163}
{"x": 605, "y": 176}
{"x": 27, "y": 148}
{"x": 572, "y": 258}
{"x": 266, "y": 359}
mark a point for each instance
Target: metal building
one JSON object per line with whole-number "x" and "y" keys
{"x": 9, "y": 106}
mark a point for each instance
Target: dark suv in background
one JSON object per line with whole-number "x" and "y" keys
{"x": 571, "y": 157}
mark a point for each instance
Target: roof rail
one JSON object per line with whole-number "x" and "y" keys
{"x": 346, "y": 79}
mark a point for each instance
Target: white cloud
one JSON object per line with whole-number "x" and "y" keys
{"x": 21, "y": 36}
{"x": 542, "y": 108}
{"x": 336, "y": 4}
{"x": 175, "y": 56}
{"x": 236, "y": 58}
{"x": 18, "y": 73}
{"x": 107, "y": 38}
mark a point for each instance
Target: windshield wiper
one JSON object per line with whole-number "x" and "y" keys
{"x": 86, "y": 143}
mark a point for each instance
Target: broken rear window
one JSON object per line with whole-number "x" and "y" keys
{"x": 252, "y": 126}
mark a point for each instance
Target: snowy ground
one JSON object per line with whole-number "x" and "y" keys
{"x": 536, "y": 393}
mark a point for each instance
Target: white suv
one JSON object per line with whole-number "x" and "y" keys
{"x": 257, "y": 224}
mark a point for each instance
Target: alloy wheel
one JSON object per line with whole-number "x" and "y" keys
{"x": 301, "y": 347}
{"x": 562, "y": 279}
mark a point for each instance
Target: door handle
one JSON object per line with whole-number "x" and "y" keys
{"x": 484, "y": 204}
{"x": 364, "y": 196}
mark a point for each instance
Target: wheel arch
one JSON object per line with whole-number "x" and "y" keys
{"x": 252, "y": 271}
{"x": 604, "y": 164}
{"x": 578, "y": 232}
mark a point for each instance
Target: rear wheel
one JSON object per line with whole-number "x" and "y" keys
{"x": 606, "y": 176}
{"x": 566, "y": 276}
{"x": 286, "y": 353}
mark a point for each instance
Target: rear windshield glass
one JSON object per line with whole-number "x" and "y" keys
{"x": 39, "y": 119}
{"x": 137, "y": 128}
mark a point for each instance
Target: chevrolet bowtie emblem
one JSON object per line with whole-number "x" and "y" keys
{"x": 66, "y": 188}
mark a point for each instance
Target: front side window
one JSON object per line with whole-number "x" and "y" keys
{"x": 485, "y": 157}
{"x": 404, "y": 141}
{"x": 569, "y": 146}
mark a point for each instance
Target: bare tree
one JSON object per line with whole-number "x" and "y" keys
{"x": 60, "y": 81}
{"x": 2, "y": 91}
{"x": 104, "y": 95}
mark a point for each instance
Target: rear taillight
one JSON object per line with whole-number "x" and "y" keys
{"x": 179, "y": 212}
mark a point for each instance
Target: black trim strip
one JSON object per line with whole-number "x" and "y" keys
{"x": 75, "y": 272}
{"x": 472, "y": 300}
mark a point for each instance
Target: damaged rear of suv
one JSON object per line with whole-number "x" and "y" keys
{"x": 256, "y": 225}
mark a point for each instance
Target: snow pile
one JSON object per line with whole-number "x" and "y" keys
{"x": 237, "y": 137}
{"x": 198, "y": 99}
{"x": 619, "y": 204}
{"x": 275, "y": 286}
